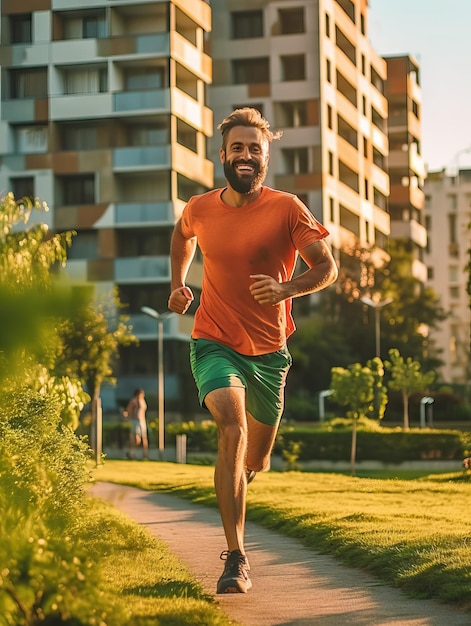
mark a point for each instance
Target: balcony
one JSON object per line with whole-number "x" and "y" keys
{"x": 155, "y": 44}
{"x": 80, "y": 106}
{"x": 188, "y": 55}
{"x": 410, "y": 230}
{"x": 144, "y": 213}
{"x": 149, "y": 99}
{"x": 142, "y": 269}
{"x": 143, "y": 157}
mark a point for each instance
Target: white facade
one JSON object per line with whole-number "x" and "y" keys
{"x": 448, "y": 215}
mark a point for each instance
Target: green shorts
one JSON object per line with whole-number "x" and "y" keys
{"x": 215, "y": 366}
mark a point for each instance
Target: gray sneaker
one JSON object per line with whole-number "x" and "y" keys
{"x": 235, "y": 577}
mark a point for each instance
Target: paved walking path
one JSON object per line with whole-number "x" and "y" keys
{"x": 292, "y": 586}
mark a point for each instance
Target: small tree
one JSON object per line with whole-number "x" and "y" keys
{"x": 89, "y": 346}
{"x": 406, "y": 377}
{"x": 360, "y": 388}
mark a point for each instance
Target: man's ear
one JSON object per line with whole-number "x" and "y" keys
{"x": 222, "y": 155}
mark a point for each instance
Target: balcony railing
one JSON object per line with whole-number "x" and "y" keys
{"x": 143, "y": 156}
{"x": 144, "y": 269}
{"x": 157, "y": 212}
{"x": 149, "y": 99}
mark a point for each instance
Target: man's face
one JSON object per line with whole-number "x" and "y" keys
{"x": 245, "y": 159}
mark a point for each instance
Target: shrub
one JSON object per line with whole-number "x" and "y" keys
{"x": 46, "y": 572}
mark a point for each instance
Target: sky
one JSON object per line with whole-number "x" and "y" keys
{"x": 437, "y": 35}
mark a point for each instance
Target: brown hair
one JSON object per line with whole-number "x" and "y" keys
{"x": 247, "y": 116}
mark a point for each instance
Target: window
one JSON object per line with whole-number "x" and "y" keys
{"x": 20, "y": 28}
{"x": 151, "y": 134}
{"x": 452, "y": 228}
{"x": 293, "y": 67}
{"x": 345, "y": 45}
{"x": 28, "y": 83}
{"x": 88, "y": 25}
{"x": 247, "y": 24}
{"x": 291, "y": 21}
{"x": 140, "y": 242}
{"x": 331, "y": 163}
{"x": 347, "y": 132}
{"x": 77, "y": 189}
{"x": 291, "y": 114}
{"x": 377, "y": 119}
{"x": 187, "y": 136}
{"x": 346, "y": 88}
{"x": 329, "y": 117}
{"x": 378, "y": 158}
{"x": 349, "y": 177}
{"x": 138, "y": 79}
{"x": 94, "y": 26}
{"x": 251, "y": 71}
{"x": 296, "y": 160}
{"x": 331, "y": 210}
{"x": 327, "y": 25}
{"x": 22, "y": 187}
{"x": 328, "y": 71}
{"x": 380, "y": 199}
{"x": 79, "y": 137}
{"x": 376, "y": 80}
{"x": 453, "y": 273}
{"x": 349, "y": 220}
{"x": 85, "y": 80}
{"x": 31, "y": 139}
{"x": 84, "y": 245}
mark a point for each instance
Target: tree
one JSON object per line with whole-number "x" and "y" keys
{"x": 32, "y": 306}
{"x": 406, "y": 377}
{"x": 89, "y": 345}
{"x": 361, "y": 389}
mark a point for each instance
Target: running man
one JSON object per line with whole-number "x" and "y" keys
{"x": 250, "y": 237}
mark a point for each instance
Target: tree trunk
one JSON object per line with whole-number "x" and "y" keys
{"x": 94, "y": 405}
{"x": 405, "y": 400}
{"x": 353, "y": 453}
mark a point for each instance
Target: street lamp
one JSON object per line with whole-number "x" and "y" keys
{"x": 377, "y": 306}
{"x": 160, "y": 317}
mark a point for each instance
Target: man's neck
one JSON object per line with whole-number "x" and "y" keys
{"x": 232, "y": 198}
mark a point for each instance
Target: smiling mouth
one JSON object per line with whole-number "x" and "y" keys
{"x": 244, "y": 168}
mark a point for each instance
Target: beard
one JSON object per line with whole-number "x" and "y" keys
{"x": 245, "y": 184}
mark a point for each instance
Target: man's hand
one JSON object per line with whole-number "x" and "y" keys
{"x": 266, "y": 290}
{"x": 180, "y": 299}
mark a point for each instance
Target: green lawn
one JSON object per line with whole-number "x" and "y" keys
{"x": 142, "y": 582}
{"x": 414, "y": 534}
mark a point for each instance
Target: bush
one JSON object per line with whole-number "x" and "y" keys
{"x": 386, "y": 444}
{"x": 46, "y": 575}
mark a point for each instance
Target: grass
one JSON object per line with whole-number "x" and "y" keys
{"x": 414, "y": 534}
{"x": 145, "y": 583}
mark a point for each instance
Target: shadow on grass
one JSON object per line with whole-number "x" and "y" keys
{"x": 168, "y": 589}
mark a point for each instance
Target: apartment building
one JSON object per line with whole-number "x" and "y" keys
{"x": 405, "y": 163}
{"x": 103, "y": 115}
{"x": 309, "y": 68}
{"x": 448, "y": 215}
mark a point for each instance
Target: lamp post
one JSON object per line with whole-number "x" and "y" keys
{"x": 377, "y": 306}
{"x": 160, "y": 317}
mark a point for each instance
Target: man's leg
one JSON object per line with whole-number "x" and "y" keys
{"x": 261, "y": 438}
{"x": 227, "y": 406}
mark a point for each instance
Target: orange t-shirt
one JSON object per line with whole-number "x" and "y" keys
{"x": 260, "y": 238}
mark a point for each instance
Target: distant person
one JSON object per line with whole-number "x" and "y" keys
{"x": 136, "y": 413}
{"x": 249, "y": 236}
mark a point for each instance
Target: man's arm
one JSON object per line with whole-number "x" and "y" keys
{"x": 321, "y": 273}
{"x": 182, "y": 251}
